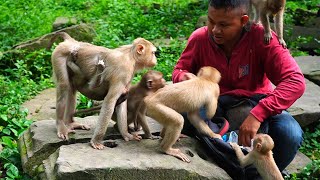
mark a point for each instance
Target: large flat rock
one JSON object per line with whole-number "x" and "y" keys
{"x": 44, "y": 156}
{"x": 133, "y": 160}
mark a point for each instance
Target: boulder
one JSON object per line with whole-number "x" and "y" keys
{"x": 81, "y": 32}
{"x": 44, "y": 156}
{"x": 63, "y": 22}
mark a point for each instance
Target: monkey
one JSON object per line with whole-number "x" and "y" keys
{"x": 262, "y": 10}
{"x": 166, "y": 104}
{"x": 261, "y": 157}
{"x": 150, "y": 82}
{"x": 120, "y": 65}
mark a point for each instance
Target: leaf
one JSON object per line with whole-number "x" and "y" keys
{"x": 6, "y": 131}
{"x": 4, "y": 117}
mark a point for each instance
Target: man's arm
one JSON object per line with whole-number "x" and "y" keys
{"x": 183, "y": 69}
{"x": 284, "y": 72}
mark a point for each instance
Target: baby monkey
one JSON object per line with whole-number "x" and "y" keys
{"x": 261, "y": 157}
{"x": 263, "y": 9}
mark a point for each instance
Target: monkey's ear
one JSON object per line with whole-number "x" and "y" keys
{"x": 258, "y": 147}
{"x": 140, "y": 49}
{"x": 149, "y": 84}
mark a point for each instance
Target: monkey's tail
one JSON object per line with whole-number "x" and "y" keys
{"x": 64, "y": 35}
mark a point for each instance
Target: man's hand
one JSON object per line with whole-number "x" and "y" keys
{"x": 188, "y": 76}
{"x": 248, "y": 130}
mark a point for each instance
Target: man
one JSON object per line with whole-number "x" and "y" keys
{"x": 248, "y": 67}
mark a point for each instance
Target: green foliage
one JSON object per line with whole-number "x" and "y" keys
{"x": 83, "y": 102}
{"x": 168, "y": 57}
{"x": 311, "y": 148}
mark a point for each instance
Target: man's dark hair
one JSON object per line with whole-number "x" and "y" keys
{"x": 229, "y": 4}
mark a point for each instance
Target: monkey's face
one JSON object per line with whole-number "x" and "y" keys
{"x": 225, "y": 26}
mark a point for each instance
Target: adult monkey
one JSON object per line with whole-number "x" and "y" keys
{"x": 150, "y": 82}
{"x": 120, "y": 65}
{"x": 248, "y": 68}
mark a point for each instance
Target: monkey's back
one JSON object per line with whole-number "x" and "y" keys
{"x": 187, "y": 95}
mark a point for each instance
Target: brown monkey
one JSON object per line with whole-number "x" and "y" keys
{"x": 263, "y": 9}
{"x": 188, "y": 96}
{"x": 150, "y": 83}
{"x": 120, "y": 65}
{"x": 261, "y": 157}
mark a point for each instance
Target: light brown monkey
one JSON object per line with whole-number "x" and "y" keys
{"x": 120, "y": 65}
{"x": 150, "y": 82}
{"x": 262, "y": 10}
{"x": 188, "y": 96}
{"x": 261, "y": 157}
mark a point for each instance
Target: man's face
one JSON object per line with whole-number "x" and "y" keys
{"x": 225, "y": 25}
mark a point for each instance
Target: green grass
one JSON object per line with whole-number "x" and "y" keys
{"x": 117, "y": 22}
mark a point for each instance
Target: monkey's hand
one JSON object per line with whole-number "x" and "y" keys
{"x": 63, "y": 132}
{"x": 235, "y": 146}
{"x": 283, "y": 43}
{"x": 130, "y": 137}
{"x": 267, "y": 37}
{"x": 177, "y": 153}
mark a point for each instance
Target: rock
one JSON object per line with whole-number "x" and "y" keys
{"x": 63, "y": 22}
{"x": 298, "y": 163}
{"x": 310, "y": 66}
{"x": 299, "y": 31}
{"x": 306, "y": 109}
{"x": 42, "y": 106}
{"x": 81, "y": 32}
{"x": 44, "y": 156}
{"x": 202, "y": 21}
{"x": 314, "y": 23}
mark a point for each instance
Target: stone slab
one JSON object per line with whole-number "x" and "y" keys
{"x": 133, "y": 160}
{"x": 306, "y": 109}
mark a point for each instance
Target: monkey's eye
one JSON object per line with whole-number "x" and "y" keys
{"x": 156, "y": 53}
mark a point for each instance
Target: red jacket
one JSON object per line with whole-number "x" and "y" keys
{"x": 249, "y": 70}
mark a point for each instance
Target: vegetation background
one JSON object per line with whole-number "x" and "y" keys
{"x": 116, "y": 22}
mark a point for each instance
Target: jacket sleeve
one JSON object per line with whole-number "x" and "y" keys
{"x": 184, "y": 64}
{"x": 283, "y": 71}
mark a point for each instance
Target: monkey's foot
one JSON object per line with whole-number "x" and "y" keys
{"x": 76, "y": 125}
{"x": 267, "y": 37}
{"x": 282, "y": 42}
{"x": 130, "y": 137}
{"x": 63, "y": 132}
{"x": 96, "y": 145}
{"x": 177, "y": 153}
